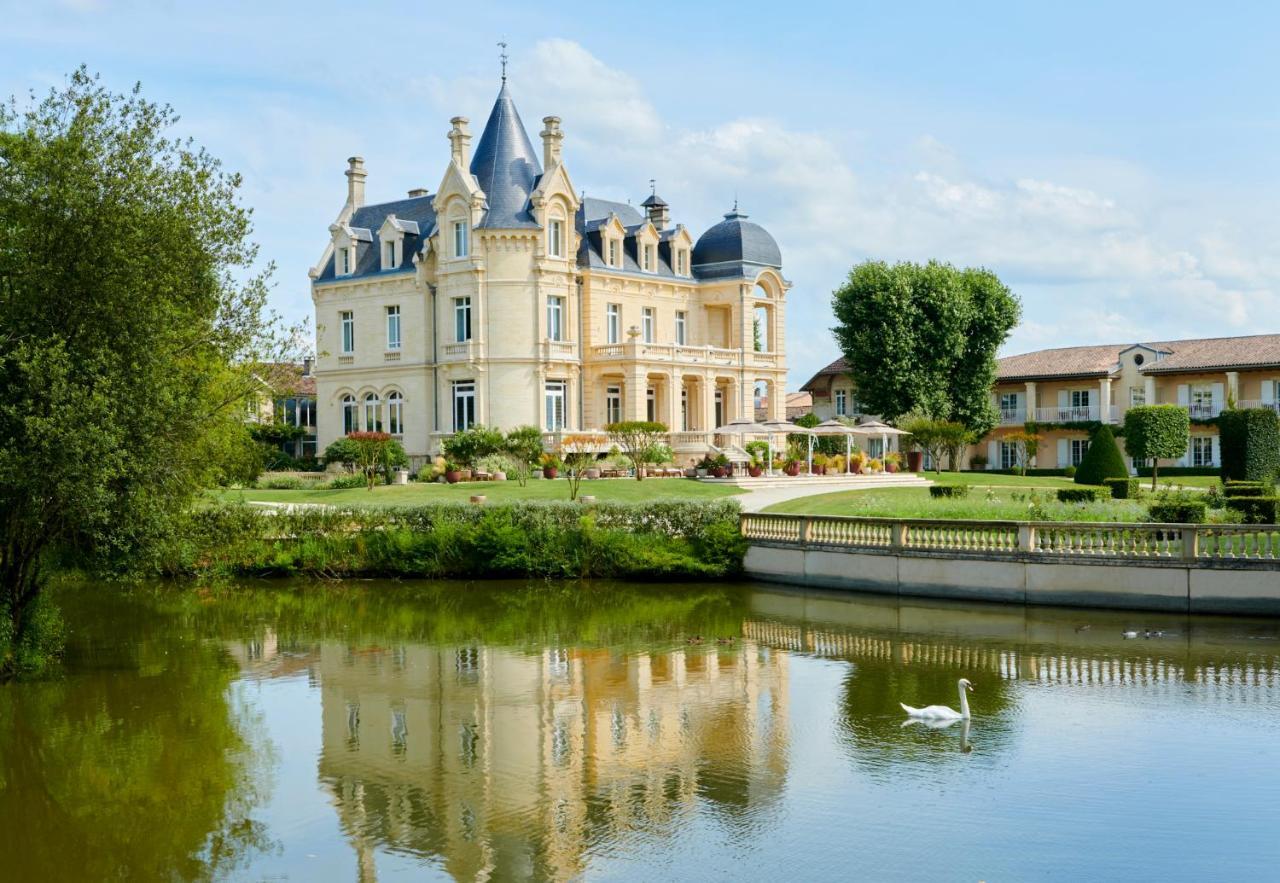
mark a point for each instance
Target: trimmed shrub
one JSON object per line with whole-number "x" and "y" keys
{"x": 1167, "y": 471}
{"x": 1122, "y": 488}
{"x": 1155, "y": 432}
{"x": 1070, "y": 472}
{"x": 1102, "y": 460}
{"x": 1250, "y": 443}
{"x": 1178, "y": 511}
{"x": 346, "y": 482}
{"x": 1083, "y": 494}
{"x": 948, "y": 491}
{"x": 280, "y": 483}
{"x": 1256, "y": 510}
{"x": 1246, "y": 490}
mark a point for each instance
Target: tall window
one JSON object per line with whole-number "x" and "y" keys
{"x": 1202, "y": 400}
{"x": 648, "y": 258}
{"x": 612, "y": 404}
{"x": 1008, "y": 455}
{"x": 461, "y": 319}
{"x": 395, "y": 413}
{"x": 393, "y": 328}
{"x": 613, "y": 322}
{"x": 842, "y": 402}
{"x": 1080, "y": 398}
{"x": 344, "y": 262}
{"x": 684, "y": 409}
{"x": 613, "y": 254}
{"x": 459, "y": 239}
{"x": 681, "y": 324}
{"x": 1202, "y": 450}
{"x": 556, "y": 234}
{"x": 348, "y": 321}
{"x": 555, "y": 317}
{"x": 464, "y": 404}
{"x": 389, "y": 255}
{"x": 646, "y": 324}
{"x": 372, "y": 423}
{"x": 554, "y": 397}
{"x": 651, "y": 404}
{"x": 350, "y": 415}
{"x": 1137, "y": 396}
{"x": 1079, "y": 447}
{"x": 682, "y": 262}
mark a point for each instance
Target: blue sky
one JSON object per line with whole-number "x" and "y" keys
{"x": 1118, "y": 165}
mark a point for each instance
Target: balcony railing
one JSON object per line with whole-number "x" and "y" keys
{"x": 1258, "y": 403}
{"x": 672, "y": 352}
{"x": 1068, "y": 414}
{"x": 1201, "y": 411}
{"x": 1012, "y": 416}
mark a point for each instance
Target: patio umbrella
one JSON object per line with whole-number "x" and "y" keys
{"x": 835, "y": 427}
{"x": 883, "y": 430}
{"x": 741, "y": 428}
{"x": 789, "y": 427}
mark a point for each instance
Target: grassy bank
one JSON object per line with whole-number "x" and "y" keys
{"x": 654, "y": 540}
{"x": 420, "y": 494}
{"x": 1005, "y": 503}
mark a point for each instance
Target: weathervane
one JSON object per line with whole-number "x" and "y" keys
{"x": 653, "y": 187}
{"x": 503, "y": 55}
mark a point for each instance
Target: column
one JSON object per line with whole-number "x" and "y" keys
{"x": 1032, "y": 403}
{"x": 635, "y": 395}
{"x": 1233, "y": 388}
{"x": 674, "y": 381}
{"x": 707, "y": 403}
{"x": 1104, "y": 399}
{"x": 777, "y": 399}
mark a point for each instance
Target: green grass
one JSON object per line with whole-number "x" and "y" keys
{"x": 1006, "y": 503}
{"x": 998, "y": 479}
{"x": 418, "y": 493}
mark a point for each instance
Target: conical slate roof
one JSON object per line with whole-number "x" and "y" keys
{"x": 506, "y": 166}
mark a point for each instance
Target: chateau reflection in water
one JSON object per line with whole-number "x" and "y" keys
{"x": 504, "y": 763}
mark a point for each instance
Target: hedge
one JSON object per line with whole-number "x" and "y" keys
{"x": 1083, "y": 494}
{"x": 1246, "y": 490}
{"x": 1145, "y": 471}
{"x": 952, "y": 491}
{"x": 660, "y": 540}
{"x": 1250, "y": 443}
{"x": 1122, "y": 488}
{"x": 1256, "y": 510}
{"x": 1040, "y": 472}
{"x": 1102, "y": 460}
{"x": 1179, "y": 511}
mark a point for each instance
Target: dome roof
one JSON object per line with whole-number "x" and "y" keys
{"x": 737, "y": 240}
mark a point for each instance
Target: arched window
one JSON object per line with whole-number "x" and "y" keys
{"x": 350, "y": 423}
{"x": 371, "y": 420}
{"x": 395, "y": 414}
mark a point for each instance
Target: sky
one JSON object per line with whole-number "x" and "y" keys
{"x": 1117, "y": 165}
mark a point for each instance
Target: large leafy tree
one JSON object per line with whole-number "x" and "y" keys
{"x": 131, "y": 325}
{"x": 923, "y": 338}
{"x": 1155, "y": 432}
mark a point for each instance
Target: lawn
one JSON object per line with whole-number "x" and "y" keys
{"x": 418, "y": 493}
{"x": 1004, "y": 503}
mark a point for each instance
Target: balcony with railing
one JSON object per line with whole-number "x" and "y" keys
{"x": 1204, "y": 410}
{"x": 1075, "y": 414}
{"x": 1259, "y": 403}
{"x": 678, "y": 353}
{"x": 1013, "y": 416}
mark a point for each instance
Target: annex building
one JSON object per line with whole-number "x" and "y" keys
{"x": 507, "y": 297}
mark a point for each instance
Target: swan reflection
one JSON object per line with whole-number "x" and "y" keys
{"x": 938, "y": 724}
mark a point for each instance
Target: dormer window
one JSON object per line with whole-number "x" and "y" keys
{"x": 459, "y": 239}
{"x": 389, "y": 255}
{"x": 615, "y": 259}
{"x": 648, "y": 253}
{"x": 682, "y": 262}
{"x": 346, "y": 260}
{"x": 555, "y": 239}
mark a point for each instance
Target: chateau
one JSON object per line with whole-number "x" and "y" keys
{"x": 508, "y": 298}
{"x": 1065, "y": 391}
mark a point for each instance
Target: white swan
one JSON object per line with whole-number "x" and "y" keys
{"x": 942, "y": 712}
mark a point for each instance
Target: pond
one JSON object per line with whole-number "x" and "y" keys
{"x": 367, "y": 731}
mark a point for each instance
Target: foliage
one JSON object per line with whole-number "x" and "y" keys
{"x": 759, "y": 451}
{"x": 1243, "y": 489}
{"x": 468, "y": 446}
{"x": 374, "y": 454}
{"x": 578, "y": 454}
{"x": 525, "y": 444}
{"x": 277, "y": 433}
{"x": 640, "y": 440}
{"x": 1255, "y": 509}
{"x": 924, "y": 338}
{"x": 346, "y": 482}
{"x": 1102, "y": 460}
{"x": 1122, "y": 488}
{"x": 281, "y": 483}
{"x": 949, "y": 491}
{"x": 342, "y": 450}
{"x": 132, "y": 326}
{"x": 808, "y": 421}
{"x": 1250, "y": 444}
{"x": 926, "y": 435}
{"x": 1167, "y": 471}
{"x": 1155, "y": 432}
{"x": 1083, "y": 494}
{"x": 648, "y": 540}
{"x": 1026, "y": 445}
{"x": 1177, "y": 507}
{"x": 978, "y": 462}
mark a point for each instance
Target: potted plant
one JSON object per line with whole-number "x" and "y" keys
{"x": 495, "y": 465}
{"x": 915, "y": 461}
{"x": 550, "y": 465}
{"x": 452, "y": 472}
{"x": 874, "y": 466}
{"x": 835, "y": 464}
{"x": 791, "y": 468}
{"x": 755, "y": 468}
{"x": 819, "y": 464}
{"x": 892, "y": 461}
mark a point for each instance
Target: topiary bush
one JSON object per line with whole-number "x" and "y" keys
{"x": 1256, "y": 510}
{"x": 1083, "y": 494}
{"x": 1178, "y": 508}
{"x": 948, "y": 491}
{"x": 1156, "y": 432}
{"x": 1102, "y": 460}
{"x": 345, "y": 482}
{"x": 1246, "y": 490}
{"x": 1250, "y": 444}
{"x": 1122, "y": 488}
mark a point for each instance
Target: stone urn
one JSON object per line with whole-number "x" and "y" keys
{"x": 592, "y": 473}
{"x": 402, "y": 476}
{"x": 498, "y": 476}
{"x": 478, "y": 499}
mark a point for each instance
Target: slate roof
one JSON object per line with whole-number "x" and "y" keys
{"x": 592, "y": 215}
{"x": 735, "y": 245}
{"x": 506, "y": 166}
{"x": 415, "y": 209}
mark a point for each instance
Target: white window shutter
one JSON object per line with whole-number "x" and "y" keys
{"x": 1184, "y": 394}
{"x": 1064, "y": 398}
{"x": 993, "y": 455}
{"x": 1219, "y": 397}
{"x": 1269, "y": 391}
{"x": 1217, "y": 452}
{"x": 1064, "y": 453}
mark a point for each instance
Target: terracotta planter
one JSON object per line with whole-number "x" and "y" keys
{"x": 891, "y": 467}
{"x": 453, "y": 477}
{"x": 550, "y": 472}
{"x": 915, "y": 460}
{"x": 466, "y": 475}
{"x": 755, "y": 471}
{"x": 498, "y": 476}
{"x": 792, "y": 469}
{"x": 815, "y": 469}
{"x": 592, "y": 473}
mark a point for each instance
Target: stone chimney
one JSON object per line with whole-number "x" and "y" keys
{"x": 460, "y": 141}
{"x": 658, "y": 211}
{"x": 551, "y": 138}
{"x": 417, "y": 191}
{"x": 355, "y": 181}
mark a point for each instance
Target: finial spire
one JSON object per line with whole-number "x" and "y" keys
{"x": 653, "y": 187}
{"x": 502, "y": 44}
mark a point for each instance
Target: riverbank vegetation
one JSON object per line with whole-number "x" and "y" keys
{"x": 654, "y": 540}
